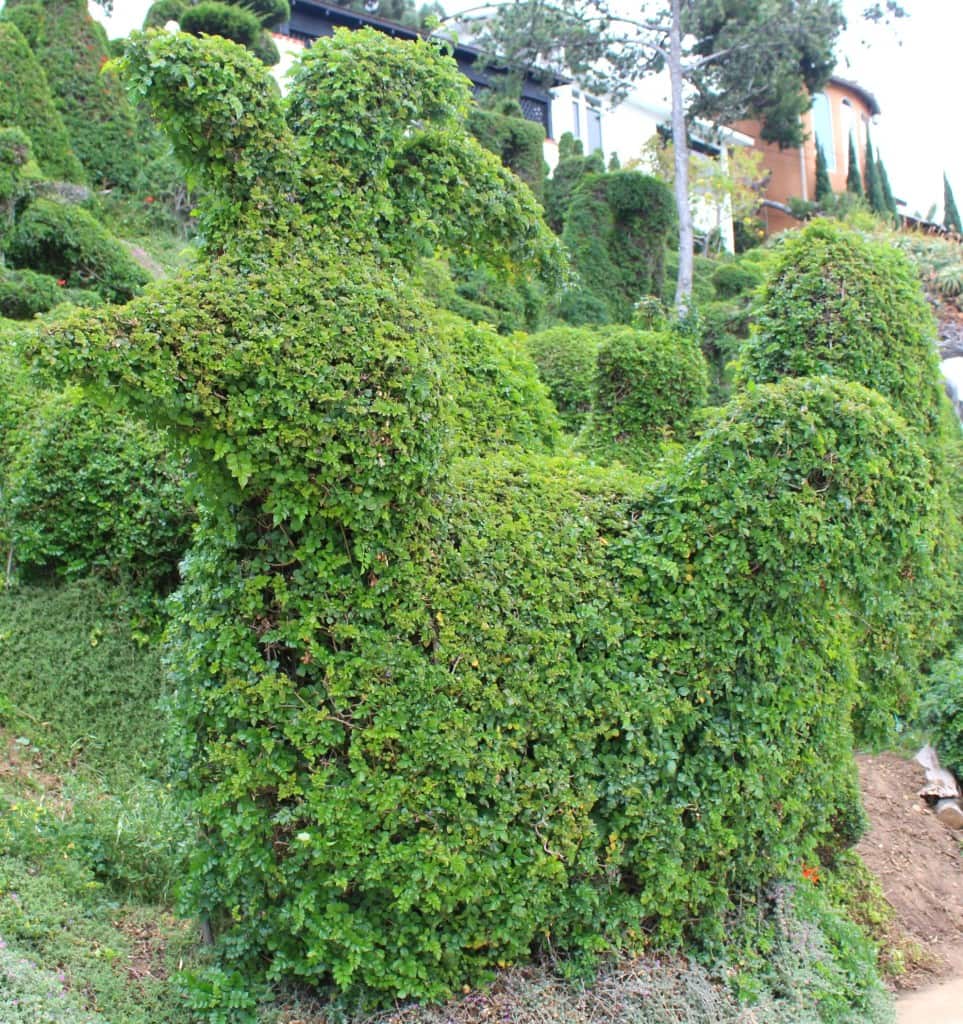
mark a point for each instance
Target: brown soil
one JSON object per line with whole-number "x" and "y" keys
{"x": 918, "y": 863}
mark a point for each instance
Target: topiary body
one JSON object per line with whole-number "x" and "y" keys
{"x": 26, "y": 102}
{"x": 566, "y": 358}
{"x": 435, "y": 712}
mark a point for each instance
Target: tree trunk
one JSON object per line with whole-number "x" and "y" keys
{"x": 680, "y": 142}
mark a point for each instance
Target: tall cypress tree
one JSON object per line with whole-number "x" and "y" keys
{"x": 951, "y": 215}
{"x": 874, "y": 187}
{"x": 854, "y": 180}
{"x": 884, "y": 184}
{"x": 824, "y": 187}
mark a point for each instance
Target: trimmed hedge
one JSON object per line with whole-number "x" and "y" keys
{"x": 70, "y": 244}
{"x": 26, "y": 102}
{"x": 566, "y": 357}
{"x": 615, "y": 232}
{"x": 648, "y": 388}
{"x": 72, "y": 49}
{"x": 572, "y": 167}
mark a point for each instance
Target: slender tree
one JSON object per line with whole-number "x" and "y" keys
{"x": 854, "y": 180}
{"x": 726, "y": 59}
{"x": 951, "y": 215}
{"x": 823, "y": 187}
{"x": 884, "y": 183}
{"x": 874, "y": 187}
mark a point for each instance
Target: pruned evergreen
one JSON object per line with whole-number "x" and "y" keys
{"x": 823, "y": 186}
{"x": 874, "y": 187}
{"x": 884, "y": 183}
{"x": 854, "y": 180}
{"x": 951, "y": 215}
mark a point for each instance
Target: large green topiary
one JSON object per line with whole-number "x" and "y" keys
{"x": 72, "y": 49}
{"x": 70, "y": 244}
{"x": 648, "y": 387}
{"x": 26, "y": 102}
{"x": 435, "y": 713}
{"x": 566, "y": 358}
{"x": 572, "y": 167}
{"x": 615, "y": 231}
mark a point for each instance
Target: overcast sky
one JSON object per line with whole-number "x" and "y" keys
{"x": 914, "y": 67}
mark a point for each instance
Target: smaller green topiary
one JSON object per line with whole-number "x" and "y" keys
{"x": 941, "y": 711}
{"x": 566, "y": 357}
{"x": 210, "y": 17}
{"x": 648, "y": 387}
{"x": 162, "y": 11}
{"x": 71, "y": 245}
{"x": 518, "y": 142}
{"x": 25, "y": 293}
{"x": 733, "y": 279}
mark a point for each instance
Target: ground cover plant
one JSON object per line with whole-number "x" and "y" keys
{"x": 436, "y": 713}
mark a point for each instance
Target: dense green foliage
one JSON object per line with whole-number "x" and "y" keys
{"x": 951, "y": 215}
{"x": 615, "y": 231}
{"x": 24, "y": 293}
{"x": 873, "y": 184}
{"x": 434, "y": 713}
{"x": 247, "y": 23}
{"x": 854, "y": 178}
{"x": 26, "y": 102}
{"x": 516, "y": 141}
{"x": 649, "y": 386}
{"x": 566, "y": 359}
{"x": 72, "y": 48}
{"x": 572, "y": 167}
{"x": 942, "y": 710}
{"x": 824, "y": 188}
{"x": 732, "y": 279}
{"x": 68, "y": 243}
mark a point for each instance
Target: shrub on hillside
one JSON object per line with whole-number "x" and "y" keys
{"x": 572, "y": 167}
{"x": 26, "y": 102}
{"x": 942, "y": 710}
{"x": 498, "y": 398}
{"x": 566, "y": 357}
{"x": 89, "y": 491}
{"x": 648, "y": 388}
{"x": 517, "y": 142}
{"x": 72, "y": 49}
{"x": 733, "y": 279}
{"x": 615, "y": 231}
{"x": 68, "y": 243}
{"x": 841, "y": 304}
{"x": 25, "y": 293}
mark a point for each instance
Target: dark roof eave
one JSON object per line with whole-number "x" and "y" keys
{"x": 864, "y": 94}
{"x": 392, "y": 28}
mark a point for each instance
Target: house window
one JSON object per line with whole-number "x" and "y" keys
{"x": 823, "y": 125}
{"x": 593, "y": 117}
{"x": 576, "y": 127}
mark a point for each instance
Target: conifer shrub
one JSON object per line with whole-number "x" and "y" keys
{"x": 162, "y": 11}
{"x": 566, "y": 358}
{"x": 222, "y": 19}
{"x": 573, "y": 165}
{"x": 498, "y": 397}
{"x": 72, "y": 49}
{"x": 648, "y": 388}
{"x": 26, "y": 102}
{"x": 437, "y": 713}
{"x": 615, "y": 232}
{"x": 69, "y": 243}
{"x": 25, "y": 293}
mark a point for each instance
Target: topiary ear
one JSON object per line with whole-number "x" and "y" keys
{"x": 222, "y": 112}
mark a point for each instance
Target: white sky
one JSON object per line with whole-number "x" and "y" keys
{"x": 914, "y": 67}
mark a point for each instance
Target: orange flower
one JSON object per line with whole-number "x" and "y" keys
{"x": 811, "y": 874}
{"x": 148, "y": 199}
{"x": 62, "y": 282}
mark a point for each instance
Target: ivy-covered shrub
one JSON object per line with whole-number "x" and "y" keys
{"x": 87, "y": 491}
{"x": 517, "y": 142}
{"x": 72, "y": 49}
{"x": 941, "y": 711}
{"x": 566, "y": 359}
{"x": 70, "y": 244}
{"x": 498, "y": 397}
{"x": 649, "y": 386}
{"x": 25, "y": 293}
{"x": 26, "y": 102}
{"x": 841, "y": 304}
{"x": 615, "y": 232}
{"x": 436, "y": 713}
{"x": 733, "y": 279}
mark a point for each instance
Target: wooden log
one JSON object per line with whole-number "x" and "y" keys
{"x": 950, "y": 813}
{"x": 940, "y": 784}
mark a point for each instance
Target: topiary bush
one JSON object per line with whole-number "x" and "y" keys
{"x": 572, "y": 167}
{"x": 437, "y": 713}
{"x": 615, "y": 232}
{"x": 27, "y": 103}
{"x": 87, "y": 491}
{"x": 24, "y": 294}
{"x": 841, "y": 304}
{"x": 566, "y": 358}
{"x": 72, "y": 49}
{"x": 514, "y": 140}
{"x": 222, "y": 19}
{"x": 498, "y": 397}
{"x": 648, "y": 388}
{"x": 734, "y": 279}
{"x": 68, "y": 243}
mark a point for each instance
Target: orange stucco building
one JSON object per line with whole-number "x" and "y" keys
{"x": 841, "y": 109}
